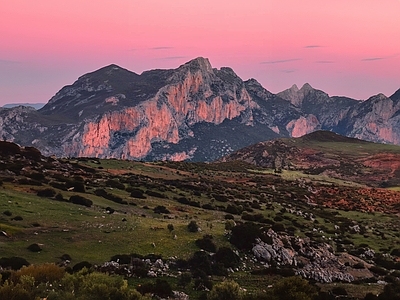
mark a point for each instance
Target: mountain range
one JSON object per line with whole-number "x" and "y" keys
{"x": 195, "y": 112}
{"x": 34, "y": 105}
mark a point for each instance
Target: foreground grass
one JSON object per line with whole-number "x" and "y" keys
{"x": 93, "y": 235}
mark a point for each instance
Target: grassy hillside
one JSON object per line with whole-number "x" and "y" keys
{"x": 145, "y": 209}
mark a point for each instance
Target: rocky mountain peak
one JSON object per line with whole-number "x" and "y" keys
{"x": 294, "y": 88}
{"x": 306, "y": 88}
{"x": 295, "y": 95}
{"x": 396, "y": 96}
{"x": 199, "y": 63}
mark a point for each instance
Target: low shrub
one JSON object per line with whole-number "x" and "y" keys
{"x": 115, "y": 184}
{"x": 34, "y": 248}
{"x": 80, "y": 265}
{"x": 206, "y": 243}
{"x": 109, "y": 196}
{"x": 244, "y": 235}
{"x": 7, "y": 213}
{"x": 14, "y": 263}
{"x": 49, "y": 193}
{"x": 193, "y": 227}
{"x": 227, "y": 257}
{"x": 59, "y": 197}
{"x": 161, "y": 288}
{"x": 161, "y": 209}
{"x": 137, "y": 193}
{"x": 76, "y": 199}
{"x": 41, "y": 273}
{"x": 155, "y": 194}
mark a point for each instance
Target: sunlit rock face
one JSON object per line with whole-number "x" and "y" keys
{"x": 376, "y": 119}
{"x": 195, "y": 112}
{"x": 302, "y": 126}
{"x": 166, "y": 117}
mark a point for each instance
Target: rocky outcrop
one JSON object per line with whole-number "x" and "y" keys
{"x": 194, "y": 112}
{"x": 308, "y": 259}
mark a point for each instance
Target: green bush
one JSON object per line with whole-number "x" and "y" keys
{"x": 161, "y": 209}
{"x": 115, "y": 184}
{"x": 226, "y": 290}
{"x": 200, "y": 263}
{"x": 160, "y": 288}
{"x": 49, "y": 193}
{"x": 109, "y": 196}
{"x": 41, "y": 273}
{"x": 170, "y": 227}
{"x": 7, "y": 213}
{"x": 206, "y": 243}
{"x": 155, "y": 194}
{"x": 294, "y": 287}
{"x": 137, "y": 193}
{"x": 244, "y": 235}
{"x": 76, "y": 199}
{"x": 227, "y": 257}
{"x": 14, "y": 263}
{"x": 81, "y": 265}
{"x": 185, "y": 279}
{"x": 193, "y": 227}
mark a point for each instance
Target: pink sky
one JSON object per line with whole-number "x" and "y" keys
{"x": 349, "y": 48}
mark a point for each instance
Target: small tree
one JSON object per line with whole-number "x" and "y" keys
{"x": 226, "y": 290}
{"x": 185, "y": 279}
{"x": 294, "y": 287}
{"x": 170, "y": 227}
{"x": 193, "y": 227}
{"x": 229, "y": 224}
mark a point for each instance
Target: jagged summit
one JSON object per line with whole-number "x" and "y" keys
{"x": 396, "y": 96}
{"x": 306, "y": 87}
{"x": 293, "y": 88}
{"x": 199, "y": 63}
{"x": 295, "y": 95}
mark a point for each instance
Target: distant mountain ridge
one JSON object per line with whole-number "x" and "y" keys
{"x": 194, "y": 112}
{"x": 34, "y": 105}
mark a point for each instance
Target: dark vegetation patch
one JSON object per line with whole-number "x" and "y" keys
{"x": 76, "y": 199}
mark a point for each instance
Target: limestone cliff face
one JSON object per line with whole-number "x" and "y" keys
{"x": 376, "y": 119}
{"x": 166, "y": 117}
{"x": 303, "y": 126}
{"x": 194, "y": 112}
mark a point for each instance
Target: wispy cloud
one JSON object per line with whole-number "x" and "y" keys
{"x": 324, "y": 62}
{"x": 8, "y": 62}
{"x": 161, "y": 48}
{"x": 379, "y": 57}
{"x": 312, "y": 46}
{"x": 173, "y": 57}
{"x": 373, "y": 58}
{"x": 279, "y": 61}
